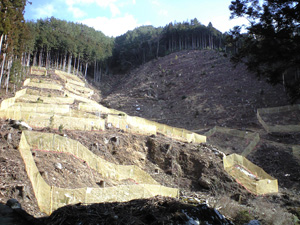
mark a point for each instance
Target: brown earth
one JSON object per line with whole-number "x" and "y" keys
{"x": 195, "y": 90}
{"x": 192, "y": 89}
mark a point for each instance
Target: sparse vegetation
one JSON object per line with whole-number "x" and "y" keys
{"x": 39, "y": 100}
{"x": 60, "y": 128}
{"x": 243, "y": 217}
{"x": 51, "y": 120}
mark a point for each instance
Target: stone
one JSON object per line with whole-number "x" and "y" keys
{"x": 58, "y": 166}
{"x": 204, "y": 182}
{"x": 13, "y": 203}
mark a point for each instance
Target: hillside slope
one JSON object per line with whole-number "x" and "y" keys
{"x": 196, "y": 169}
{"x": 195, "y": 90}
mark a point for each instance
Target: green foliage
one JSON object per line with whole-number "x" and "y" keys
{"x": 272, "y": 46}
{"x": 63, "y": 40}
{"x": 39, "y": 100}
{"x": 16, "y": 72}
{"x": 146, "y": 43}
{"x": 243, "y": 217}
{"x": 60, "y": 128}
{"x": 51, "y": 120}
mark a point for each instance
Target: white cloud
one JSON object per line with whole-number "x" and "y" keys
{"x": 77, "y": 13}
{"x": 223, "y": 23}
{"x": 44, "y": 11}
{"x": 163, "y": 12}
{"x": 114, "y": 10}
{"x": 155, "y": 2}
{"x": 103, "y": 3}
{"x": 133, "y": 2}
{"x": 111, "y": 4}
{"x": 114, "y": 26}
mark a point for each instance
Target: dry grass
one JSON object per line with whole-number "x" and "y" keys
{"x": 258, "y": 208}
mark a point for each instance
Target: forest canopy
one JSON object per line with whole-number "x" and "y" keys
{"x": 77, "y": 48}
{"x": 271, "y": 47}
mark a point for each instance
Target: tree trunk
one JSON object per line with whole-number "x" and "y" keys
{"x": 57, "y": 61}
{"x": 157, "y": 48}
{"x": 65, "y": 62}
{"x": 74, "y": 66}
{"x": 100, "y": 74}
{"x": 1, "y": 40}
{"x": 34, "y": 59}
{"x": 8, "y": 73}
{"x": 78, "y": 64}
{"x": 47, "y": 59}
{"x": 95, "y": 71}
{"x": 86, "y": 68}
{"x": 61, "y": 62}
{"x": 69, "y": 63}
{"x": 40, "y": 58}
{"x": 28, "y": 60}
{"x": 2, "y": 68}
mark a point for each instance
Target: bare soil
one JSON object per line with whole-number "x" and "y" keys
{"x": 195, "y": 90}
{"x": 228, "y": 143}
{"x": 284, "y": 118}
{"x": 198, "y": 90}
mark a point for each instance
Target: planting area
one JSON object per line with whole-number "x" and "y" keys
{"x": 196, "y": 169}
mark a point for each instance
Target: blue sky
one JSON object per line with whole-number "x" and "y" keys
{"x": 115, "y": 17}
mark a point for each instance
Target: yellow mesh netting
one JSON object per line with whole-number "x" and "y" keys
{"x": 69, "y": 78}
{"x": 252, "y": 177}
{"x": 50, "y": 198}
{"x": 278, "y": 128}
{"x": 252, "y": 137}
{"x": 30, "y": 83}
{"x": 79, "y": 90}
{"x": 38, "y": 70}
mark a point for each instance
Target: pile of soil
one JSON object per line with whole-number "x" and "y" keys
{"x": 67, "y": 171}
{"x": 156, "y": 210}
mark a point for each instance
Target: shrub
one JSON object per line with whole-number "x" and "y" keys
{"x": 243, "y": 217}
{"x": 60, "y": 128}
{"x": 39, "y": 100}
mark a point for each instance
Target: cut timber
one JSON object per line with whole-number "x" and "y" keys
{"x": 250, "y": 176}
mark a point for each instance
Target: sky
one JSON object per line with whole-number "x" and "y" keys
{"x": 116, "y": 17}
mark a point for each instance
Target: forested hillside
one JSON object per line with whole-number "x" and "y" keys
{"x": 77, "y": 48}
{"x": 13, "y": 39}
{"x": 270, "y": 47}
{"x": 69, "y": 46}
{"x": 145, "y": 43}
